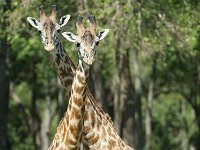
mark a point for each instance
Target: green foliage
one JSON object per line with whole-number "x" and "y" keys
{"x": 19, "y": 132}
{"x": 173, "y": 122}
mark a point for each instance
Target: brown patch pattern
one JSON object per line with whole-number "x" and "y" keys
{"x": 93, "y": 140}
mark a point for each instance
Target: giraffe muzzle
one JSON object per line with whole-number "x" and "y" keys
{"x": 89, "y": 59}
{"x": 49, "y": 47}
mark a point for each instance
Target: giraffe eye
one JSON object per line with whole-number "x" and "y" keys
{"x": 58, "y": 30}
{"x": 77, "y": 44}
{"x": 39, "y": 31}
{"x": 97, "y": 43}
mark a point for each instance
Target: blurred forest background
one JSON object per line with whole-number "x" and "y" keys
{"x": 146, "y": 76}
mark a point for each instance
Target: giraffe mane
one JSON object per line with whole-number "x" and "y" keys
{"x": 99, "y": 109}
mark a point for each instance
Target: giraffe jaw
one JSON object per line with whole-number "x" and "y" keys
{"x": 49, "y": 47}
{"x": 89, "y": 61}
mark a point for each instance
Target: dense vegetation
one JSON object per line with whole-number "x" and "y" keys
{"x": 146, "y": 76}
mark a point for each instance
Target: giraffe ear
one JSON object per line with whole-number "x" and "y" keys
{"x": 102, "y": 33}
{"x": 33, "y": 22}
{"x": 64, "y": 20}
{"x": 70, "y": 36}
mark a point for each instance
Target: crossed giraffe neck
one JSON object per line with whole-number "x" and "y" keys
{"x": 69, "y": 132}
{"x": 98, "y": 132}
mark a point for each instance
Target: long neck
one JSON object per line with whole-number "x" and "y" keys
{"x": 80, "y": 80}
{"x": 64, "y": 67}
{"x": 70, "y": 129}
{"x": 99, "y": 131}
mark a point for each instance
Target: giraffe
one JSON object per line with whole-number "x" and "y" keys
{"x": 99, "y": 132}
{"x": 49, "y": 30}
{"x": 72, "y": 122}
{"x": 94, "y": 115}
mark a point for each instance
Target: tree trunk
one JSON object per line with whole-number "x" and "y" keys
{"x": 197, "y": 111}
{"x": 4, "y": 93}
{"x": 137, "y": 81}
{"x": 35, "y": 112}
{"x": 185, "y": 140}
{"x": 123, "y": 94}
{"x": 45, "y": 129}
{"x": 194, "y": 98}
{"x": 4, "y": 81}
{"x": 197, "y": 114}
{"x": 82, "y": 7}
{"x": 148, "y": 117}
{"x": 151, "y": 91}
{"x": 126, "y": 95}
{"x": 138, "y": 105}
{"x": 118, "y": 105}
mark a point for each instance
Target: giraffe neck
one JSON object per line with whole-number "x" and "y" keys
{"x": 70, "y": 129}
{"x": 65, "y": 68}
{"x": 99, "y": 131}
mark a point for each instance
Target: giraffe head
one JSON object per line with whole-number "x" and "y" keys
{"x": 87, "y": 39}
{"x": 48, "y": 27}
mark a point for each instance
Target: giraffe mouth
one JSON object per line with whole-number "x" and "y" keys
{"x": 89, "y": 61}
{"x": 49, "y": 47}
